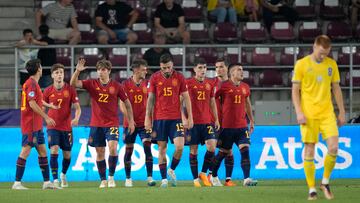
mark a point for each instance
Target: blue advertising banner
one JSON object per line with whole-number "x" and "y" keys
{"x": 276, "y": 153}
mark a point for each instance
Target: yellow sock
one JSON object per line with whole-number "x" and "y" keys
{"x": 329, "y": 164}
{"x": 309, "y": 169}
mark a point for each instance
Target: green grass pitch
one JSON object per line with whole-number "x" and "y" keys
{"x": 345, "y": 190}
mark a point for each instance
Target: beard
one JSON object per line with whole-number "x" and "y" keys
{"x": 167, "y": 75}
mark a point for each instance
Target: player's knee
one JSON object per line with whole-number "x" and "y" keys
{"x": 54, "y": 149}
{"x": 333, "y": 149}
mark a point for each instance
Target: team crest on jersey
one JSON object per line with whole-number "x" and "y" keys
{"x": 160, "y": 83}
{"x": 52, "y": 95}
{"x": 66, "y": 93}
{"x": 231, "y": 90}
{"x": 207, "y": 86}
{"x": 329, "y": 71}
{"x": 144, "y": 89}
{"x": 174, "y": 82}
{"x": 111, "y": 90}
{"x": 131, "y": 90}
{"x": 97, "y": 88}
{"x": 31, "y": 94}
{"x": 195, "y": 87}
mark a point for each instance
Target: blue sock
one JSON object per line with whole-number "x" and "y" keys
{"x": 54, "y": 165}
{"x": 127, "y": 161}
{"x": 174, "y": 163}
{"x": 208, "y": 161}
{"x": 148, "y": 158}
{"x": 44, "y": 166}
{"x": 194, "y": 165}
{"x": 20, "y": 168}
{"x": 112, "y": 164}
{"x": 217, "y": 161}
{"x": 245, "y": 161}
{"x": 101, "y": 165}
{"x": 162, "y": 168}
{"x": 65, "y": 165}
{"x": 229, "y": 166}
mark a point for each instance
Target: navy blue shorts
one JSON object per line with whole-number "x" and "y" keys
{"x": 167, "y": 129}
{"x": 99, "y": 135}
{"x": 130, "y": 138}
{"x": 199, "y": 134}
{"x": 63, "y": 139}
{"x": 33, "y": 140}
{"x": 229, "y": 136}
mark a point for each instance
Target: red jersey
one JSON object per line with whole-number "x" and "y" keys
{"x": 62, "y": 98}
{"x": 137, "y": 94}
{"x": 200, "y": 95}
{"x": 104, "y": 102}
{"x": 167, "y": 95}
{"x": 217, "y": 84}
{"x": 233, "y": 99}
{"x": 30, "y": 121}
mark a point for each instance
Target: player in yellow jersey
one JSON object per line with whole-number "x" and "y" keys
{"x": 315, "y": 76}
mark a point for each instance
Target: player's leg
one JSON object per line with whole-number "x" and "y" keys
{"x": 243, "y": 142}
{"x": 20, "y": 164}
{"x": 97, "y": 140}
{"x": 66, "y": 145}
{"x": 330, "y": 133}
{"x": 146, "y": 140}
{"x": 194, "y": 164}
{"x": 229, "y": 166}
{"x": 129, "y": 141}
{"x": 162, "y": 162}
{"x": 112, "y": 136}
{"x": 54, "y": 137}
{"x": 210, "y": 142}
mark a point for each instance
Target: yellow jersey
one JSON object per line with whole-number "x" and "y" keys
{"x": 315, "y": 82}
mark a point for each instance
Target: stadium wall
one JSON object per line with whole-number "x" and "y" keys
{"x": 276, "y": 153}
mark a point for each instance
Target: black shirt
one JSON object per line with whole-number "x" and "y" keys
{"x": 47, "y": 56}
{"x": 169, "y": 18}
{"x": 153, "y": 58}
{"x": 114, "y": 16}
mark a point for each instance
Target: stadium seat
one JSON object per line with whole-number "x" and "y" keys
{"x": 63, "y": 56}
{"x": 248, "y": 78}
{"x": 88, "y": 35}
{"x": 225, "y": 33}
{"x": 199, "y": 33}
{"x": 305, "y": 9}
{"x": 271, "y": 78}
{"x": 339, "y": 31}
{"x": 177, "y": 54}
{"x": 232, "y": 54}
{"x": 83, "y": 11}
{"x": 344, "y": 56}
{"x": 308, "y": 31}
{"x": 192, "y": 11}
{"x": 263, "y": 56}
{"x": 331, "y": 10}
{"x": 143, "y": 32}
{"x": 357, "y": 32}
{"x": 355, "y": 77}
{"x": 208, "y": 54}
{"x": 282, "y": 32}
{"x": 210, "y": 73}
{"x": 91, "y": 55}
{"x": 136, "y": 4}
{"x": 253, "y": 32}
{"x": 118, "y": 56}
{"x": 287, "y": 55}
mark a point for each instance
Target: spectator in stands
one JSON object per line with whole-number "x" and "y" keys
{"x": 221, "y": 8}
{"x": 252, "y": 9}
{"x": 170, "y": 20}
{"x": 112, "y": 18}
{"x": 47, "y": 56}
{"x": 277, "y": 7}
{"x": 152, "y": 55}
{"x": 58, "y": 15}
{"x": 26, "y": 54}
{"x": 354, "y": 13}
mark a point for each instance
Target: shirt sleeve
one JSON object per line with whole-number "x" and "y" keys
{"x": 158, "y": 12}
{"x": 336, "y": 75}
{"x": 122, "y": 94}
{"x": 128, "y": 9}
{"x": 46, "y": 95}
{"x": 86, "y": 84}
{"x": 73, "y": 12}
{"x": 47, "y": 9}
{"x": 297, "y": 72}
{"x": 74, "y": 97}
{"x": 248, "y": 91}
{"x": 212, "y": 91}
{"x": 151, "y": 85}
{"x": 219, "y": 91}
{"x": 180, "y": 11}
{"x": 183, "y": 87}
{"x": 31, "y": 91}
{"x": 98, "y": 12}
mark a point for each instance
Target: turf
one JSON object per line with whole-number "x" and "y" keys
{"x": 345, "y": 190}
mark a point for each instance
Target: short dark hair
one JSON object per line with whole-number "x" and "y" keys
{"x": 32, "y": 66}
{"x": 57, "y": 66}
{"x": 232, "y": 65}
{"x": 27, "y": 30}
{"x": 166, "y": 58}
{"x": 44, "y": 29}
{"x": 137, "y": 63}
{"x": 103, "y": 64}
{"x": 222, "y": 59}
{"x": 198, "y": 61}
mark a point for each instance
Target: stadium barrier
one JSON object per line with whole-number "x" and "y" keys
{"x": 276, "y": 153}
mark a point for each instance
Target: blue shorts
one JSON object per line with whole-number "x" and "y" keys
{"x": 121, "y": 34}
{"x": 229, "y": 136}
{"x": 167, "y": 129}
{"x": 99, "y": 135}
{"x": 63, "y": 139}
{"x": 33, "y": 140}
{"x": 130, "y": 138}
{"x": 199, "y": 134}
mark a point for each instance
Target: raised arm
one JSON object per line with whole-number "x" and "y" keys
{"x": 75, "y": 82}
{"x": 336, "y": 89}
{"x": 149, "y": 111}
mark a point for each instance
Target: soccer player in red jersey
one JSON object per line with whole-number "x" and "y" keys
{"x": 221, "y": 68}
{"x": 236, "y": 105}
{"x": 104, "y": 123}
{"x": 136, "y": 89}
{"x": 201, "y": 91}
{"x": 31, "y": 125}
{"x": 63, "y": 96}
{"x": 163, "y": 107}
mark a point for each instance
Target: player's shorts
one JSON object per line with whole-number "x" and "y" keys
{"x": 327, "y": 127}
{"x": 99, "y": 135}
{"x": 130, "y": 138}
{"x": 63, "y": 139}
{"x": 33, "y": 140}
{"x": 229, "y": 136}
{"x": 199, "y": 134}
{"x": 167, "y": 129}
